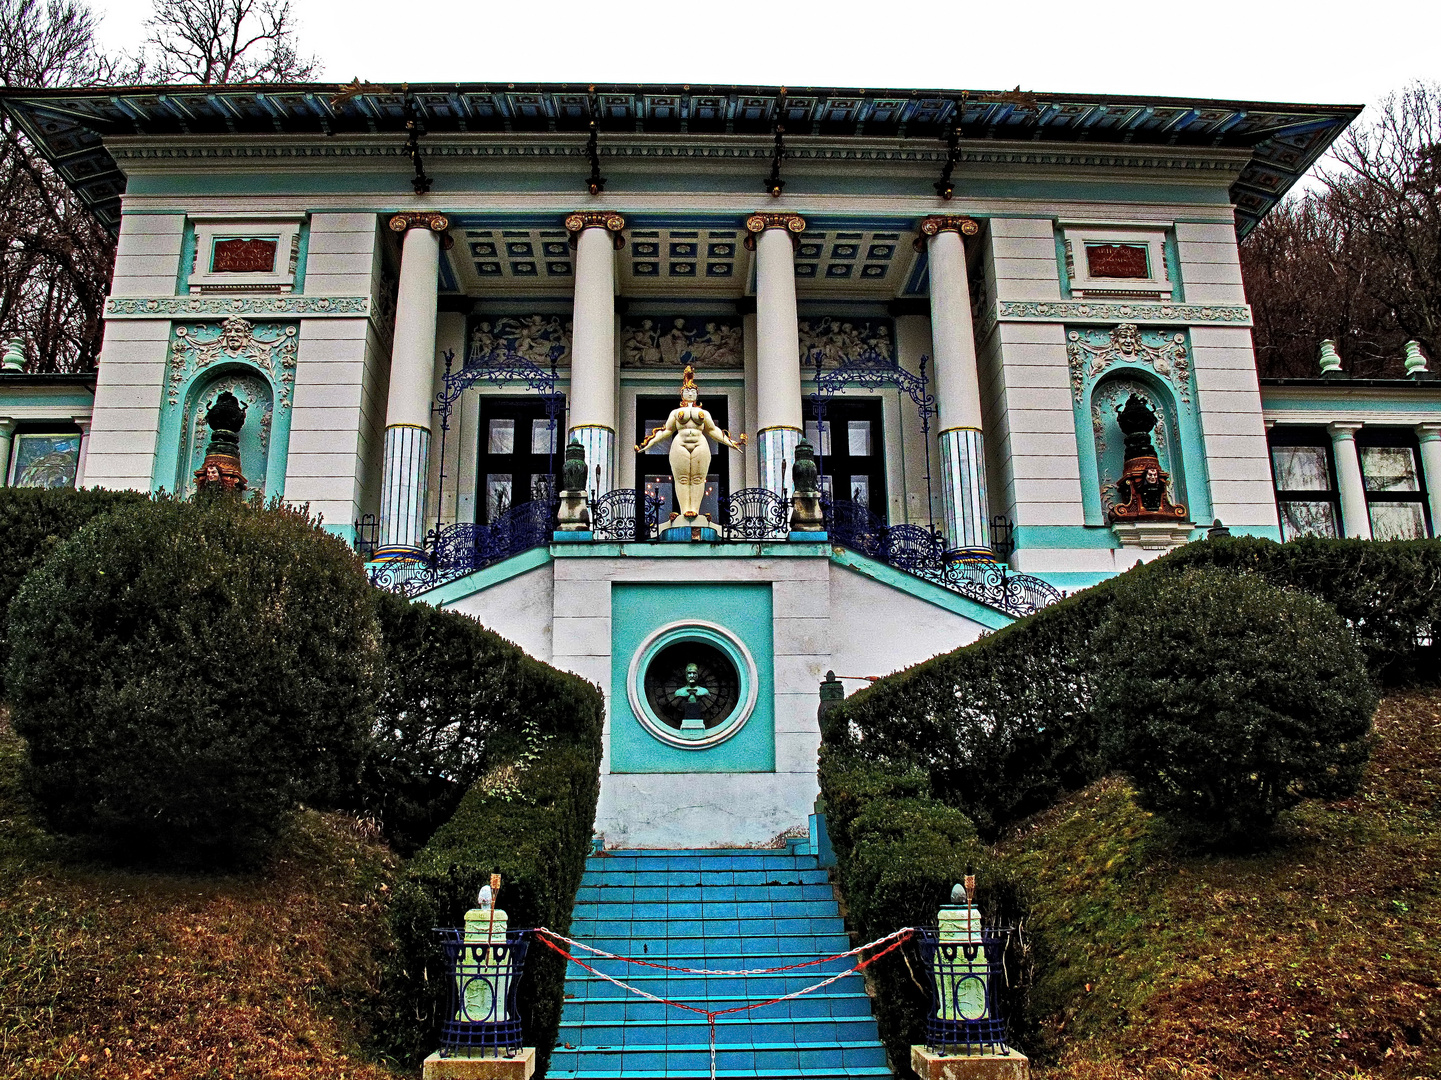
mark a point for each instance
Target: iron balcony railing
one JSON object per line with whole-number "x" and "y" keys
{"x": 750, "y": 515}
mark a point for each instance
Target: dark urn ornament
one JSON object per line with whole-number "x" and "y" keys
{"x": 572, "y": 472}
{"x": 806, "y": 512}
{"x": 1144, "y": 487}
{"x": 221, "y": 470}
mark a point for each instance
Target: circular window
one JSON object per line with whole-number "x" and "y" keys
{"x": 692, "y": 685}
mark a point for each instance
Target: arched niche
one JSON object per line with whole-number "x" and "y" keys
{"x": 253, "y": 390}
{"x": 1108, "y": 395}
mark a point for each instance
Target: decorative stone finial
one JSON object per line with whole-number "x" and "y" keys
{"x": 14, "y": 355}
{"x": 1330, "y": 359}
{"x": 572, "y": 473}
{"x": 1415, "y": 359}
{"x": 806, "y": 513}
{"x": 573, "y": 514}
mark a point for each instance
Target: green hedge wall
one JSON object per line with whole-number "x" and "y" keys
{"x": 1389, "y": 592}
{"x": 532, "y": 737}
{"x": 1005, "y": 727}
{"x": 33, "y": 522}
{"x": 457, "y": 700}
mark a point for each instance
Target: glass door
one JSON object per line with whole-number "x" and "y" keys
{"x": 519, "y": 451}
{"x": 851, "y": 451}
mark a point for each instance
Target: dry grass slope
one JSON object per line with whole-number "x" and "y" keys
{"x": 1319, "y": 959}
{"x": 112, "y": 975}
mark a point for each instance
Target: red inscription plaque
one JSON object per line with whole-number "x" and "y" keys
{"x": 1118, "y": 261}
{"x": 243, "y": 255}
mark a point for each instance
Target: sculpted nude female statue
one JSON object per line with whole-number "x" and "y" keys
{"x": 688, "y": 427}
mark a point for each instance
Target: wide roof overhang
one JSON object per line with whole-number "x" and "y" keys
{"x": 70, "y": 126}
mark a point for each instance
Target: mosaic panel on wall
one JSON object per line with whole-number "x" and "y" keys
{"x": 42, "y": 460}
{"x": 660, "y": 343}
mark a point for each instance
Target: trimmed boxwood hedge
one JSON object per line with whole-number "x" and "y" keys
{"x": 1389, "y": 592}
{"x": 184, "y": 672}
{"x": 33, "y": 522}
{"x": 468, "y": 723}
{"x": 1005, "y": 727}
{"x": 536, "y": 834}
{"x": 456, "y": 700}
{"x": 1228, "y": 700}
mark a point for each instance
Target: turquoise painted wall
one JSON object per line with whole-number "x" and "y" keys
{"x": 637, "y": 610}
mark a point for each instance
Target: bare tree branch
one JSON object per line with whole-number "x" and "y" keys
{"x": 1358, "y": 261}
{"x": 224, "y": 41}
{"x": 55, "y": 256}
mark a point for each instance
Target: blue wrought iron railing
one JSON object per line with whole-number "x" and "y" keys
{"x": 456, "y": 550}
{"x": 613, "y": 516}
{"x": 749, "y": 515}
{"x": 924, "y": 553}
{"x": 755, "y": 513}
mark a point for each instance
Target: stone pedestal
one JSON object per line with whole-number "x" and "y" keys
{"x": 930, "y": 1065}
{"x": 1153, "y": 535}
{"x": 462, "y": 1066}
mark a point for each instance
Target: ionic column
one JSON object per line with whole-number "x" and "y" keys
{"x": 83, "y": 423}
{"x": 1355, "y": 518}
{"x": 778, "y": 346}
{"x": 596, "y": 236}
{"x": 1429, "y": 436}
{"x": 407, "y": 409}
{"x": 958, "y": 386}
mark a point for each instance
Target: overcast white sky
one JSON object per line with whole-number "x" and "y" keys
{"x": 1324, "y": 51}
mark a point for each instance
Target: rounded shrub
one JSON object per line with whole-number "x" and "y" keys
{"x": 1228, "y": 700}
{"x": 185, "y": 672}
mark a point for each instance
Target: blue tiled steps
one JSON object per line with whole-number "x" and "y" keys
{"x": 727, "y": 909}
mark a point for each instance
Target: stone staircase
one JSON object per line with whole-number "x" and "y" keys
{"x": 713, "y": 908}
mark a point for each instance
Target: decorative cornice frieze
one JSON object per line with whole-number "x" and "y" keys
{"x": 419, "y": 219}
{"x": 186, "y": 307}
{"x": 519, "y": 146}
{"x": 578, "y": 222}
{"x": 939, "y": 223}
{"x": 1076, "y": 311}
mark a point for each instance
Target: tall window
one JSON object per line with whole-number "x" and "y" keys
{"x": 519, "y": 451}
{"x": 652, "y": 469}
{"x": 1395, "y": 491}
{"x": 851, "y": 449}
{"x": 1306, "y": 494}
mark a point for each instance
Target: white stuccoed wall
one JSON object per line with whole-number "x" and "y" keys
{"x": 825, "y": 617}
{"x": 1229, "y": 396}
{"x": 131, "y": 377}
{"x": 341, "y": 376}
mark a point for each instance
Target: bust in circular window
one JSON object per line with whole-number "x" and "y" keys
{"x": 692, "y": 687}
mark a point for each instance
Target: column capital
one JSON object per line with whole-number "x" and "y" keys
{"x": 419, "y": 219}
{"x": 1344, "y": 429}
{"x": 82, "y": 422}
{"x": 936, "y": 224}
{"x": 762, "y": 220}
{"x": 1428, "y": 430}
{"x": 609, "y": 220}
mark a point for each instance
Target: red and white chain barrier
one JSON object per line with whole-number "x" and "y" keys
{"x": 891, "y": 941}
